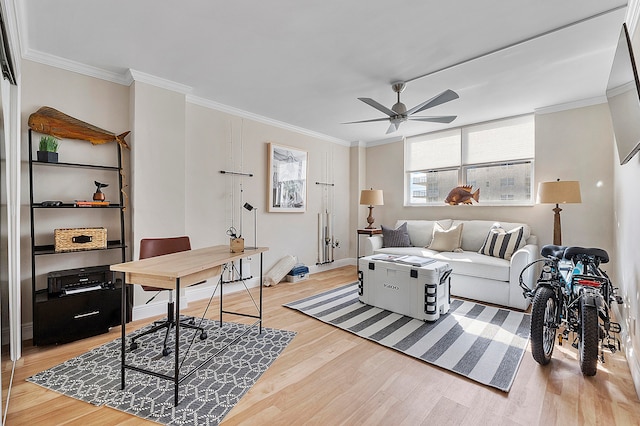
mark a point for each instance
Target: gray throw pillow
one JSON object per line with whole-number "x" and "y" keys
{"x": 398, "y": 237}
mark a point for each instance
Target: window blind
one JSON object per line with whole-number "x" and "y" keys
{"x": 433, "y": 151}
{"x": 502, "y": 140}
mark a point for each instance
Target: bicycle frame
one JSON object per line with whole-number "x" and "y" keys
{"x": 581, "y": 293}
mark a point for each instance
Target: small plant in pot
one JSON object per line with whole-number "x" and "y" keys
{"x": 48, "y": 149}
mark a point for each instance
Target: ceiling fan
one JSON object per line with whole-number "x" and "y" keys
{"x": 399, "y": 113}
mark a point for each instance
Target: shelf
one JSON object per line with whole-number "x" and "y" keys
{"x": 75, "y": 316}
{"x": 76, "y": 165}
{"x": 50, "y": 248}
{"x": 73, "y": 206}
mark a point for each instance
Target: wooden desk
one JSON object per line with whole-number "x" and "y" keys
{"x": 170, "y": 272}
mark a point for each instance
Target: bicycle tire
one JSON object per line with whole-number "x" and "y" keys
{"x": 589, "y": 338}
{"x": 544, "y": 313}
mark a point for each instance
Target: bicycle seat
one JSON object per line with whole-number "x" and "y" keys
{"x": 600, "y": 254}
{"x": 551, "y": 250}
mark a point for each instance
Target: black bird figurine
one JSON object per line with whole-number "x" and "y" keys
{"x": 99, "y": 195}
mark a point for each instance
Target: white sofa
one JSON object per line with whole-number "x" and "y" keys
{"x": 474, "y": 276}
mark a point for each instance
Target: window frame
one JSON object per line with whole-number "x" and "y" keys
{"x": 463, "y": 168}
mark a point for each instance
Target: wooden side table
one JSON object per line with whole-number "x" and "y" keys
{"x": 368, "y": 232}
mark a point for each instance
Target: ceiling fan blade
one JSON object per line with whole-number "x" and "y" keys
{"x": 392, "y": 128}
{"x": 441, "y": 119}
{"x": 378, "y": 106}
{"x": 446, "y": 96}
{"x": 368, "y": 121}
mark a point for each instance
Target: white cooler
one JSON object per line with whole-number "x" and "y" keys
{"x": 418, "y": 292}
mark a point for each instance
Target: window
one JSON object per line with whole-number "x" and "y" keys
{"x": 496, "y": 157}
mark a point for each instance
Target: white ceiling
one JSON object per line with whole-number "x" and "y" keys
{"x": 305, "y": 63}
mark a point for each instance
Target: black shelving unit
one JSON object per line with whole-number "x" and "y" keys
{"x": 64, "y": 318}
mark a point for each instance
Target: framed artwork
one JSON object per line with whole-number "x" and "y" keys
{"x": 287, "y": 179}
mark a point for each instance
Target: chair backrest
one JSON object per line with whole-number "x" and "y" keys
{"x": 152, "y": 247}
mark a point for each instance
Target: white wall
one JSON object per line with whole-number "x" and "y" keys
{"x": 627, "y": 240}
{"x": 570, "y": 145}
{"x": 95, "y": 101}
{"x": 219, "y": 141}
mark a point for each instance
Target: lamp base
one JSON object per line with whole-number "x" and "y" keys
{"x": 370, "y": 219}
{"x": 557, "y": 227}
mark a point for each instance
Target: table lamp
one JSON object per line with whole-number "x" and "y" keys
{"x": 371, "y": 197}
{"x": 558, "y": 192}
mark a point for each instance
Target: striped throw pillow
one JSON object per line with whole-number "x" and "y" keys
{"x": 502, "y": 244}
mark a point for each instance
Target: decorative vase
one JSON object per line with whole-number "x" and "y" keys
{"x": 47, "y": 157}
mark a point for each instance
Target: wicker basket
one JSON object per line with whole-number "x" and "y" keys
{"x": 78, "y": 239}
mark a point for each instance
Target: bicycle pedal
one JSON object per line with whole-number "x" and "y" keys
{"x": 619, "y": 300}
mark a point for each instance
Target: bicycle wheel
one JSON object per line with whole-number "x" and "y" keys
{"x": 589, "y": 337}
{"x": 544, "y": 314}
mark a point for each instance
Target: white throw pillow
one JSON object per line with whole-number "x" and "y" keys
{"x": 446, "y": 240}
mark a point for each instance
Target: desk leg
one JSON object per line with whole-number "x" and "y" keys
{"x": 176, "y": 366}
{"x": 260, "y": 284}
{"x": 221, "y": 287}
{"x": 123, "y": 319}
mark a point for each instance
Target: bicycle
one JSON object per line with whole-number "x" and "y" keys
{"x": 575, "y": 293}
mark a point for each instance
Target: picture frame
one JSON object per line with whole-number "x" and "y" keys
{"x": 287, "y": 179}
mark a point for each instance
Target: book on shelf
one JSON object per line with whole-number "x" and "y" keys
{"x": 405, "y": 260}
{"x": 83, "y": 203}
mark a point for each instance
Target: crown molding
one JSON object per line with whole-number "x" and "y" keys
{"x": 133, "y": 75}
{"x": 69, "y": 65}
{"x": 571, "y": 105}
{"x": 207, "y": 103}
{"x": 633, "y": 14}
{"x": 385, "y": 141}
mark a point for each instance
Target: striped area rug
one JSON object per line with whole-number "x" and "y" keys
{"x": 483, "y": 343}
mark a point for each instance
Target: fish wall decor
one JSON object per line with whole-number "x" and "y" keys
{"x": 462, "y": 195}
{"x": 50, "y": 121}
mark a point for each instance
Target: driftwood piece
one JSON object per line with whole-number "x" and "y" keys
{"x": 50, "y": 121}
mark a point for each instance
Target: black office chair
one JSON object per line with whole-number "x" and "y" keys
{"x": 151, "y": 247}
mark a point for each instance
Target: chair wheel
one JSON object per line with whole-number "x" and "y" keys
{"x": 133, "y": 346}
{"x": 203, "y": 335}
{"x": 166, "y": 351}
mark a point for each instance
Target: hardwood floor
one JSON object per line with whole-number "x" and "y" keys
{"x": 328, "y": 376}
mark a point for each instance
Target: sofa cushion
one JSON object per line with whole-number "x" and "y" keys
{"x": 475, "y": 231}
{"x": 446, "y": 239}
{"x": 421, "y": 231}
{"x": 398, "y": 237}
{"x": 474, "y": 264}
{"x": 502, "y": 244}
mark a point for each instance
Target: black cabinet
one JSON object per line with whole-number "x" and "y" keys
{"x": 60, "y": 318}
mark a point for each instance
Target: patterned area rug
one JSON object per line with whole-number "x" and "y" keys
{"x": 205, "y": 397}
{"x": 480, "y": 342}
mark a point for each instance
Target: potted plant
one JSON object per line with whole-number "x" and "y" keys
{"x": 48, "y": 149}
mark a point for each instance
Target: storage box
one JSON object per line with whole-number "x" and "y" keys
{"x": 78, "y": 239}
{"x": 418, "y": 292}
{"x": 297, "y": 277}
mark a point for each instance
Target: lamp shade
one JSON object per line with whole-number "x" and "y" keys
{"x": 371, "y": 197}
{"x": 559, "y": 192}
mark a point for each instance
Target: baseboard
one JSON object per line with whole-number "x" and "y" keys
{"x": 204, "y": 291}
{"x": 632, "y": 360}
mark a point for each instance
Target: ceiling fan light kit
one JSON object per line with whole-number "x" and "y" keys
{"x": 399, "y": 113}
